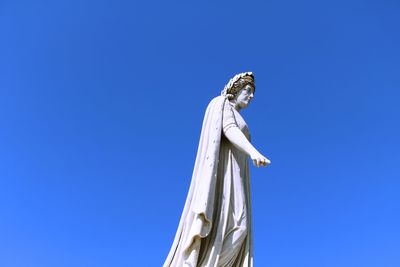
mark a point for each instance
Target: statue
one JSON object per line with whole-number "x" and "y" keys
{"x": 215, "y": 226}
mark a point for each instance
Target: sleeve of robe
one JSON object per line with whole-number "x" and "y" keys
{"x": 228, "y": 120}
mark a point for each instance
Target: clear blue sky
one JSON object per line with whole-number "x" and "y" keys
{"x": 101, "y": 104}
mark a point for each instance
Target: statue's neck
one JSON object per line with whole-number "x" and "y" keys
{"x": 235, "y": 105}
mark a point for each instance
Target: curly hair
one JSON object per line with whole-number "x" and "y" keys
{"x": 237, "y": 83}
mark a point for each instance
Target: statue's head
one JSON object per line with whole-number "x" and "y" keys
{"x": 240, "y": 89}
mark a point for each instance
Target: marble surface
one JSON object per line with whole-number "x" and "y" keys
{"x": 215, "y": 227}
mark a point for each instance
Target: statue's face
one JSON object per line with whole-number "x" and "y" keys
{"x": 244, "y": 96}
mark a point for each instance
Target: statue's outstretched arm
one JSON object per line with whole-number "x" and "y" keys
{"x": 239, "y": 140}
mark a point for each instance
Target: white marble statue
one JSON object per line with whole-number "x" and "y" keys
{"x": 215, "y": 228}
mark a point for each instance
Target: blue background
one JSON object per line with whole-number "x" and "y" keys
{"x": 101, "y": 104}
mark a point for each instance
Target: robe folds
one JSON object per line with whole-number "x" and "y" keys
{"x": 215, "y": 226}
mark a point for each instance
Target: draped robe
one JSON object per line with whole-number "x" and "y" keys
{"x": 215, "y": 226}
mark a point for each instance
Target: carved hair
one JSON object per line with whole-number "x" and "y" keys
{"x": 237, "y": 83}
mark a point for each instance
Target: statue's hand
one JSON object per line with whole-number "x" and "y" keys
{"x": 259, "y": 160}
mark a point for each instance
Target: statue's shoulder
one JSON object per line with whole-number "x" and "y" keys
{"x": 216, "y": 102}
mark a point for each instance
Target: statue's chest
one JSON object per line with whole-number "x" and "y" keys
{"x": 241, "y": 124}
